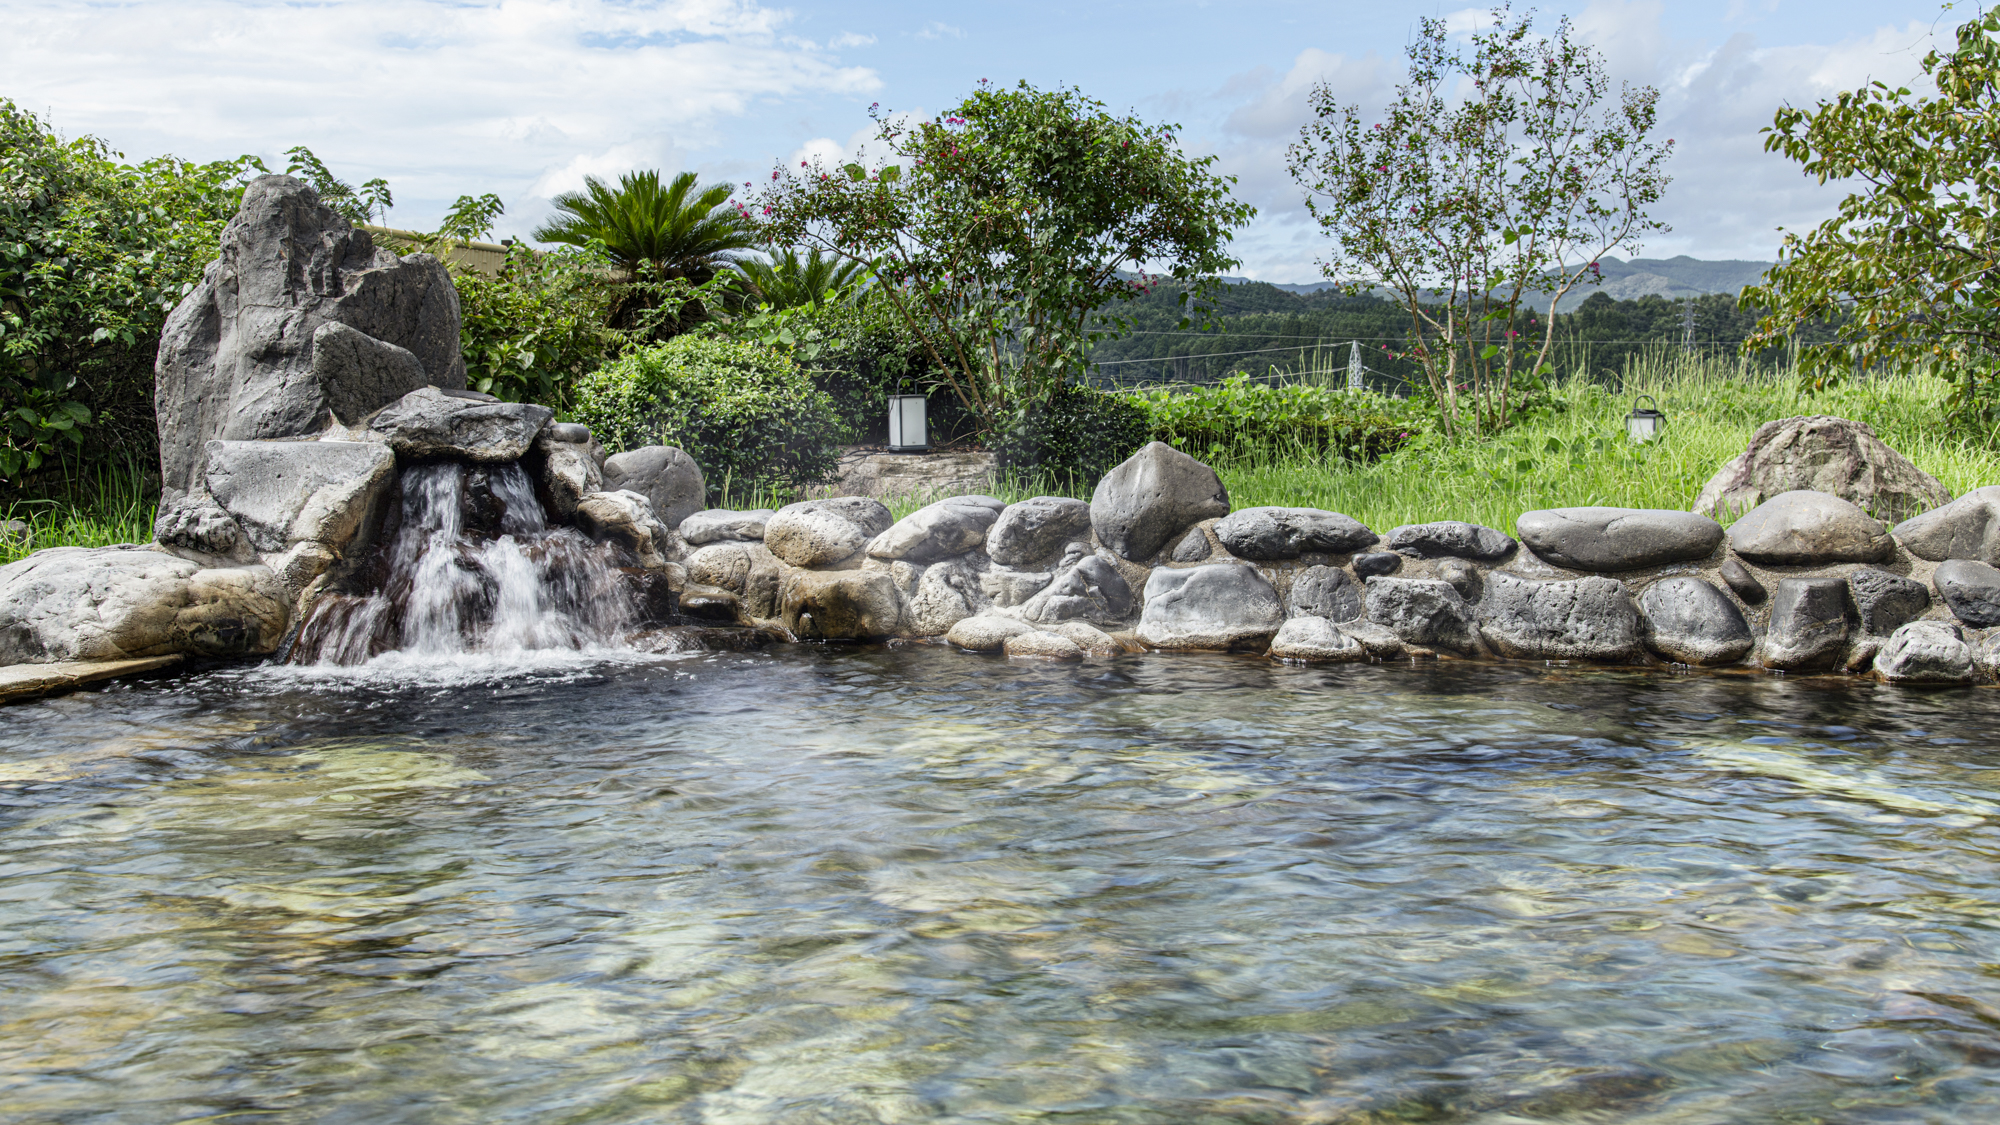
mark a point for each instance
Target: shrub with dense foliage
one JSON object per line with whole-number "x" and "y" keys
{"x": 747, "y": 414}
{"x": 1238, "y": 416}
{"x": 1076, "y": 434}
{"x": 94, "y": 253}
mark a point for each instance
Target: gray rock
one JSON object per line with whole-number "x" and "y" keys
{"x": 1087, "y": 587}
{"x": 429, "y": 423}
{"x": 1448, "y": 539}
{"x": 324, "y": 496}
{"x": 1271, "y": 534}
{"x": 1739, "y": 579}
{"x": 570, "y": 433}
{"x": 236, "y": 357}
{"x": 1585, "y": 619}
{"x": 1315, "y": 640}
{"x": 1986, "y": 657}
{"x": 1042, "y": 646}
{"x": 985, "y": 632}
{"x": 1151, "y": 497}
{"x": 946, "y": 593}
{"x": 1377, "y": 563}
{"x": 938, "y": 531}
{"x": 16, "y": 533}
{"x": 720, "y": 525}
{"x": 1971, "y": 590}
{"x": 1217, "y": 606}
{"x": 744, "y": 568}
{"x": 358, "y": 374}
{"x": 1819, "y": 453}
{"x": 1009, "y": 587}
{"x": 1884, "y": 602}
{"x": 1463, "y": 576}
{"x": 194, "y": 521}
{"x": 1925, "y": 652}
{"x": 664, "y": 475}
{"x": 1809, "y": 529}
{"x": 1325, "y": 591}
{"x": 114, "y": 603}
{"x": 809, "y": 534}
{"x": 1382, "y": 643}
{"x": 1614, "y": 539}
{"x": 1030, "y": 531}
{"x": 1423, "y": 611}
{"x": 1966, "y": 528}
{"x": 569, "y": 471}
{"x": 841, "y": 605}
{"x": 1193, "y": 547}
{"x": 626, "y": 519}
{"x": 1688, "y": 621}
{"x": 1809, "y": 624}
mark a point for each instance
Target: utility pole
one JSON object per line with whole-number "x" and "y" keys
{"x": 1687, "y": 324}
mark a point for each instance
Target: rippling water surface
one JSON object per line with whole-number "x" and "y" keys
{"x": 827, "y": 885}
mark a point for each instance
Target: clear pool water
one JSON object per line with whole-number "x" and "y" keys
{"x": 825, "y": 885}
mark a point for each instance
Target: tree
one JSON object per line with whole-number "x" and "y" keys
{"x": 1002, "y": 228}
{"x": 675, "y": 232}
{"x": 792, "y": 279}
{"x": 1496, "y": 177}
{"x": 94, "y": 253}
{"x": 369, "y": 203}
{"x": 1910, "y": 260}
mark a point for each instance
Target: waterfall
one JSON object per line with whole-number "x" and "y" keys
{"x": 468, "y": 563}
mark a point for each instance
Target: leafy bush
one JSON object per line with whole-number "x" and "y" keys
{"x": 530, "y": 332}
{"x": 747, "y": 415}
{"x": 1238, "y": 416}
{"x": 1078, "y": 433}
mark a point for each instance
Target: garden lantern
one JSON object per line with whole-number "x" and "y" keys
{"x": 1644, "y": 424}
{"x": 909, "y": 430}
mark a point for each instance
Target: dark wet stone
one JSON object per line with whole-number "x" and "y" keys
{"x": 1688, "y": 621}
{"x": 1193, "y": 547}
{"x": 1971, "y": 590}
{"x": 1743, "y": 582}
{"x": 1376, "y": 563}
{"x": 1449, "y": 539}
{"x": 1885, "y": 602}
{"x": 1809, "y": 620}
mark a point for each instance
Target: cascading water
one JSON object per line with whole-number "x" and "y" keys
{"x": 469, "y": 563}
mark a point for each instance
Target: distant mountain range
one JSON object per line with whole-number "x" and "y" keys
{"x": 1672, "y": 278}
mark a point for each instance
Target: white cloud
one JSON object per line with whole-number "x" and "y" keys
{"x": 850, "y": 39}
{"x": 936, "y": 30}
{"x": 522, "y": 97}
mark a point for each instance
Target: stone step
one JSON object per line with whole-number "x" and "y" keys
{"x": 26, "y": 681}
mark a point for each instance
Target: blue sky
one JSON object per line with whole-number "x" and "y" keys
{"x": 525, "y": 97}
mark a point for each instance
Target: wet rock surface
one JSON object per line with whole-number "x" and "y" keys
{"x": 1449, "y": 539}
{"x": 626, "y": 518}
{"x": 1276, "y": 534}
{"x": 1042, "y": 646}
{"x": 1809, "y": 529}
{"x": 1214, "y": 606}
{"x": 1148, "y": 500}
{"x": 841, "y": 605}
{"x": 1971, "y": 590}
{"x": 1809, "y": 624}
{"x": 1617, "y": 539}
{"x": 1688, "y": 621}
{"x": 1585, "y": 619}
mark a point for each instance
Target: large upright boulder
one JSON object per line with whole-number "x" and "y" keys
{"x": 1151, "y": 497}
{"x": 237, "y": 358}
{"x": 663, "y": 474}
{"x": 1819, "y": 453}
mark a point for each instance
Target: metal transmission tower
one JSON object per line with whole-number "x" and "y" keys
{"x": 1354, "y": 368}
{"x": 1687, "y": 324}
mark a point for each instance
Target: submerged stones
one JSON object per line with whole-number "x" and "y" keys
{"x": 1584, "y": 619}
{"x": 1274, "y": 534}
{"x": 1030, "y": 531}
{"x": 1042, "y": 646}
{"x": 1214, "y": 606}
{"x": 1688, "y": 621}
{"x": 1616, "y": 539}
{"x": 1449, "y": 539}
{"x": 1802, "y": 528}
{"x": 1151, "y": 497}
{"x": 1971, "y": 590}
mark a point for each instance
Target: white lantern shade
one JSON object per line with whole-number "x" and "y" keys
{"x": 1643, "y": 425}
{"x": 909, "y": 428}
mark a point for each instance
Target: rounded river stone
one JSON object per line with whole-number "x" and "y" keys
{"x": 1688, "y": 621}
{"x": 1613, "y": 539}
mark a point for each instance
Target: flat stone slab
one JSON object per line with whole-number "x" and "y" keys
{"x": 903, "y": 475}
{"x": 26, "y": 681}
{"x": 1803, "y": 528}
{"x": 1615, "y": 539}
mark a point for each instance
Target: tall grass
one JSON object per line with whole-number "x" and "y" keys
{"x": 110, "y": 503}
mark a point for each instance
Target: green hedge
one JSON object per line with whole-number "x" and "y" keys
{"x": 1080, "y": 433}
{"x": 1237, "y": 417}
{"x": 750, "y": 418}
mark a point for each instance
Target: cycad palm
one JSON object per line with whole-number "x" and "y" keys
{"x": 679, "y": 229}
{"x": 791, "y": 279}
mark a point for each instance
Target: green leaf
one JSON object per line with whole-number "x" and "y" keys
{"x": 856, "y": 172}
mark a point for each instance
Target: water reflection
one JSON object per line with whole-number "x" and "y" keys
{"x": 822, "y": 885}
